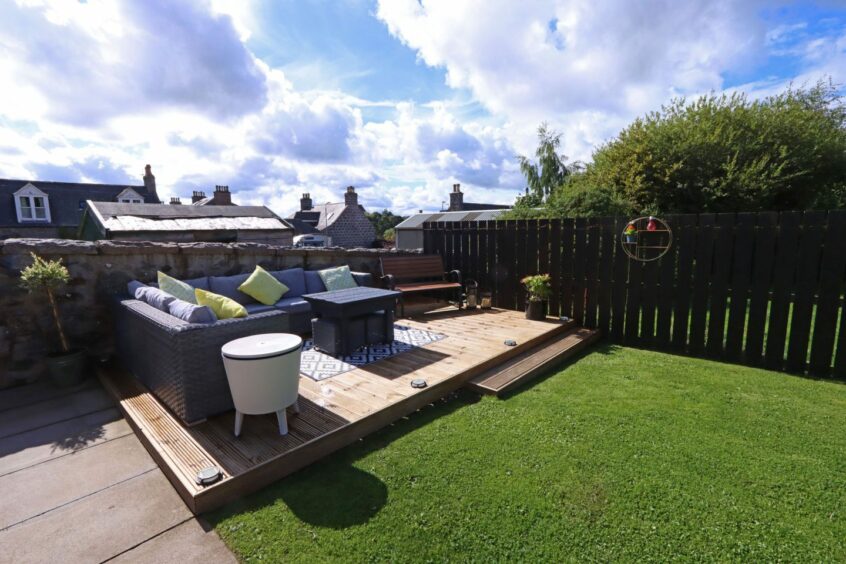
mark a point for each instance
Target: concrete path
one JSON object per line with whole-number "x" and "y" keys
{"x": 77, "y": 486}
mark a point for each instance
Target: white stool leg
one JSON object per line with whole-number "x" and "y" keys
{"x": 239, "y": 420}
{"x": 283, "y": 422}
{"x": 295, "y": 407}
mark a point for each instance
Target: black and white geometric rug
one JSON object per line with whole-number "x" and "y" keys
{"x": 320, "y": 366}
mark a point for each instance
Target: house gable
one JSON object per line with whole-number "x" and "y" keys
{"x": 130, "y": 196}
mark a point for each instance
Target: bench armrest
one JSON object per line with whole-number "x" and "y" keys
{"x": 388, "y": 281}
{"x": 454, "y": 276}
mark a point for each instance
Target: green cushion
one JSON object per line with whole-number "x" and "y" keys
{"x": 176, "y": 288}
{"x": 337, "y": 278}
{"x": 262, "y": 286}
{"x": 223, "y": 307}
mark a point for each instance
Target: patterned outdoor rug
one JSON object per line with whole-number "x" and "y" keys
{"x": 319, "y": 366}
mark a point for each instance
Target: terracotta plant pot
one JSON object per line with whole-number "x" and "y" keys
{"x": 67, "y": 369}
{"x": 536, "y": 311}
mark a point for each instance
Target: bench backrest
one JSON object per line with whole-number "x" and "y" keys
{"x": 413, "y": 267}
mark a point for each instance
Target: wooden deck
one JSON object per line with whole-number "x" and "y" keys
{"x": 334, "y": 412}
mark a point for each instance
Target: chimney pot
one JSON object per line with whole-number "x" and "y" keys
{"x": 175, "y": 201}
{"x": 150, "y": 184}
{"x": 305, "y": 202}
{"x": 456, "y": 199}
{"x": 350, "y": 198}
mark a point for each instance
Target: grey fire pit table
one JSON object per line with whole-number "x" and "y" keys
{"x": 342, "y": 310}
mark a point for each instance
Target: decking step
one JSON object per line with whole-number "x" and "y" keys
{"x": 533, "y": 362}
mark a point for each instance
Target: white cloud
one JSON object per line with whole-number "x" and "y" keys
{"x": 587, "y": 66}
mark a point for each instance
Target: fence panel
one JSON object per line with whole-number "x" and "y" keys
{"x": 829, "y": 300}
{"x": 757, "y": 288}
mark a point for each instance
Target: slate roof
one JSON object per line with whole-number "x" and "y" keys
{"x": 321, "y": 216}
{"x": 473, "y": 206}
{"x": 66, "y": 199}
{"x": 123, "y": 218}
{"x": 301, "y": 227}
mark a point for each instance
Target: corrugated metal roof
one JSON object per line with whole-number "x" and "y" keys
{"x": 124, "y": 223}
{"x": 417, "y": 220}
{"x": 166, "y": 211}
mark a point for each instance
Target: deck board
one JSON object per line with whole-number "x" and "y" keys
{"x": 333, "y": 412}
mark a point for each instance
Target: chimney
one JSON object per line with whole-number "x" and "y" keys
{"x": 350, "y": 198}
{"x": 456, "y": 199}
{"x": 150, "y": 184}
{"x": 197, "y": 196}
{"x": 175, "y": 201}
{"x": 305, "y": 202}
{"x": 222, "y": 197}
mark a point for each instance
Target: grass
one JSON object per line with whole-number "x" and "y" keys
{"x": 624, "y": 455}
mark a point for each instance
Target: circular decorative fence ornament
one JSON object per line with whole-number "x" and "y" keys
{"x": 646, "y": 238}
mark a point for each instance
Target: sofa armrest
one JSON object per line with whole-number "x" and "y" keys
{"x": 363, "y": 278}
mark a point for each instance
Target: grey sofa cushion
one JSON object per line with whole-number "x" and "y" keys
{"x": 134, "y": 285}
{"x": 228, "y": 286}
{"x": 159, "y": 299}
{"x": 202, "y": 283}
{"x": 293, "y": 279}
{"x": 192, "y": 313}
{"x": 294, "y": 305}
{"x": 313, "y": 282}
{"x": 258, "y": 308}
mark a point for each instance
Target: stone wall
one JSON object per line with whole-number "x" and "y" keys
{"x": 101, "y": 269}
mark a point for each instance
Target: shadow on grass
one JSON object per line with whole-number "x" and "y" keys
{"x": 333, "y": 492}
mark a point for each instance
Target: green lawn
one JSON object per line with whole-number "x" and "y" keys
{"x": 623, "y": 455}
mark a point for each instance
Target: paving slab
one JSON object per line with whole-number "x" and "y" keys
{"x": 100, "y": 526}
{"x": 43, "y": 413}
{"x": 187, "y": 543}
{"x": 60, "y": 439}
{"x": 40, "y": 488}
{"x": 20, "y": 396}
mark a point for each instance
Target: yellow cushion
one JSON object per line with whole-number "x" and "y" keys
{"x": 176, "y": 288}
{"x": 223, "y": 307}
{"x": 262, "y": 286}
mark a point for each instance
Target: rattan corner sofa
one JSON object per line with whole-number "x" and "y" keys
{"x": 180, "y": 362}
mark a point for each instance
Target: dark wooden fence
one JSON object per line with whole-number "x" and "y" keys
{"x": 763, "y": 289}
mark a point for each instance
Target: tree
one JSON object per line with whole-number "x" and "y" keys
{"x": 47, "y": 276}
{"x": 550, "y": 171}
{"x": 383, "y": 221}
{"x": 719, "y": 154}
{"x": 542, "y": 177}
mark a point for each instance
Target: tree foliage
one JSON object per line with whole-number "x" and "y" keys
{"x": 717, "y": 153}
{"x": 545, "y": 175}
{"x": 383, "y": 222}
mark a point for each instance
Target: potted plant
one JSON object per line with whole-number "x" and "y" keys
{"x": 539, "y": 289}
{"x": 66, "y": 367}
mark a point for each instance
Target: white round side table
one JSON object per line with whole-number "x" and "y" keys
{"x": 264, "y": 375}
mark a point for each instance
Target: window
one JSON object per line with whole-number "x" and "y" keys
{"x": 31, "y": 204}
{"x": 130, "y": 196}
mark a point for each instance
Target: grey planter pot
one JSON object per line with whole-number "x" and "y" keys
{"x": 67, "y": 369}
{"x": 536, "y": 311}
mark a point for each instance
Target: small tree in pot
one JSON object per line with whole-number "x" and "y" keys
{"x": 66, "y": 367}
{"x": 539, "y": 289}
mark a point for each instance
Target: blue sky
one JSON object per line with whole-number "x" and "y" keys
{"x": 400, "y": 98}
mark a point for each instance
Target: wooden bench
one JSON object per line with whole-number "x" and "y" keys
{"x": 418, "y": 274}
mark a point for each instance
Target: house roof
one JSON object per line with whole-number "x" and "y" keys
{"x": 475, "y": 206}
{"x": 66, "y": 199}
{"x": 417, "y": 220}
{"x": 301, "y": 227}
{"x": 122, "y": 218}
{"x": 322, "y": 216}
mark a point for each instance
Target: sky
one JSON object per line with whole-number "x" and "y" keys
{"x": 399, "y": 98}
